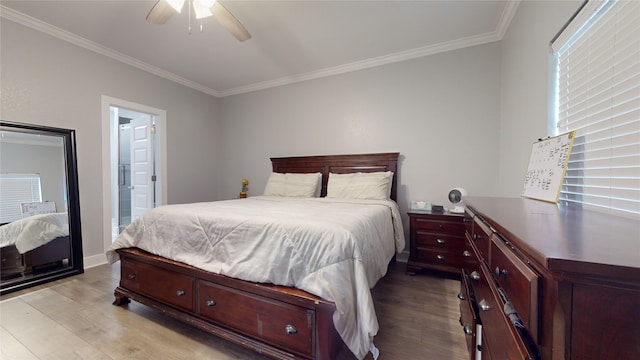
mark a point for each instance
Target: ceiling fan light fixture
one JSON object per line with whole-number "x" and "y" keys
{"x": 201, "y": 10}
{"x": 164, "y": 9}
{"x": 177, "y": 5}
{"x": 206, "y": 3}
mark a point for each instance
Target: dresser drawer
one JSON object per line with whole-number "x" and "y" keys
{"x": 163, "y": 285}
{"x": 468, "y": 318}
{"x": 468, "y": 221}
{"x": 502, "y": 338}
{"x": 519, "y": 282}
{"x": 481, "y": 237}
{"x": 429, "y": 239}
{"x": 470, "y": 255}
{"x": 279, "y": 323}
{"x": 438, "y": 224}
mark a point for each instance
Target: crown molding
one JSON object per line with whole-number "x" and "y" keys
{"x": 496, "y": 35}
{"x": 508, "y": 13}
{"x": 368, "y": 63}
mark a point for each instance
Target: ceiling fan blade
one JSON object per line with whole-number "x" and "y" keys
{"x": 229, "y": 22}
{"x": 160, "y": 13}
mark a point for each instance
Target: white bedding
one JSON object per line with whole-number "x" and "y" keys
{"x": 34, "y": 231}
{"x": 335, "y": 249}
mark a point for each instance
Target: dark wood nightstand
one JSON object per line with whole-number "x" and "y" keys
{"x": 437, "y": 242}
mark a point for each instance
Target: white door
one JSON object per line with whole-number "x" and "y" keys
{"x": 142, "y": 184}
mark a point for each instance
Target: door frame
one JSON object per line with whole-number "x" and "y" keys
{"x": 107, "y": 137}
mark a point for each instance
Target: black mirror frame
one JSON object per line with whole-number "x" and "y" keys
{"x": 73, "y": 203}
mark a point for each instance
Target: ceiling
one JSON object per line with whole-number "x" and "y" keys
{"x": 291, "y": 40}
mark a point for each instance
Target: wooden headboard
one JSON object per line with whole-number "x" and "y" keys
{"x": 340, "y": 164}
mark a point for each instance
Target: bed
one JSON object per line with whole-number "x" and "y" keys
{"x": 288, "y": 277}
{"x": 34, "y": 243}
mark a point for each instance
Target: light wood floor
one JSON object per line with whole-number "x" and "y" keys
{"x": 73, "y": 319}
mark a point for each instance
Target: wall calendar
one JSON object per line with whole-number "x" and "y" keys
{"x": 37, "y": 208}
{"x": 547, "y": 167}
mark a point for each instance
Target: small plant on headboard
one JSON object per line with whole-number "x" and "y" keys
{"x": 245, "y": 188}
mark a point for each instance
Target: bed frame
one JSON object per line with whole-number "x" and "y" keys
{"x": 47, "y": 256}
{"x": 277, "y": 321}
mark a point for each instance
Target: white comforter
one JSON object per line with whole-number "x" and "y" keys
{"x": 335, "y": 249}
{"x": 34, "y": 231}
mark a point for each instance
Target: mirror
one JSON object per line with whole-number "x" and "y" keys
{"x": 40, "y": 234}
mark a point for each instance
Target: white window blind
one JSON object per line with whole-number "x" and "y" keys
{"x": 16, "y": 189}
{"x": 598, "y": 95}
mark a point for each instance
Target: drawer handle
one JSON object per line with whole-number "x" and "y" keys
{"x": 500, "y": 271}
{"x": 180, "y": 292}
{"x": 210, "y": 303}
{"x": 440, "y": 241}
{"x": 441, "y": 226}
{"x": 474, "y": 275}
{"x": 483, "y": 305}
{"x": 440, "y": 257}
{"x": 466, "y": 253}
{"x": 290, "y": 329}
{"x": 131, "y": 276}
{"x": 476, "y": 237}
{"x": 461, "y": 296}
{"x": 467, "y": 330}
{"x": 466, "y": 219}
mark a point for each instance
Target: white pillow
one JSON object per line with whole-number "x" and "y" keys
{"x": 373, "y": 186}
{"x": 294, "y": 184}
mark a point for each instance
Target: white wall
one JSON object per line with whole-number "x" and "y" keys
{"x": 440, "y": 112}
{"x": 525, "y": 89}
{"x": 463, "y": 118}
{"x": 45, "y": 159}
{"x": 48, "y": 81}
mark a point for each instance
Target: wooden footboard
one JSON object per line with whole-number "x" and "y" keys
{"x": 280, "y": 322}
{"x": 47, "y": 256}
{"x": 50, "y": 254}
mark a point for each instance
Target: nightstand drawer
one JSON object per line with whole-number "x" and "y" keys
{"x": 440, "y": 257}
{"x": 438, "y": 224}
{"x": 430, "y": 239}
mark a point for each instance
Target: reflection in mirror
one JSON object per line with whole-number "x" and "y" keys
{"x": 40, "y": 238}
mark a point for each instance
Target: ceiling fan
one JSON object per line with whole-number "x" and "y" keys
{"x": 164, "y": 9}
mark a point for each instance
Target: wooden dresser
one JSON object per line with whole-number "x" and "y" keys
{"x": 436, "y": 242}
{"x": 550, "y": 282}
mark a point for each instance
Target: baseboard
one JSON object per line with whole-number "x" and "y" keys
{"x": 94, "y": 260}
{"x": 402, "y": 257}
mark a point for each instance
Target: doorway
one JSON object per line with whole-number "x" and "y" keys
{"x": 134, "y": 144}
{"x": 135, "y": 161}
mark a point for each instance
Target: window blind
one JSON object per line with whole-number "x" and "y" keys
{"x": 598, "y": 96}
{"x": 16, "y": 189}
